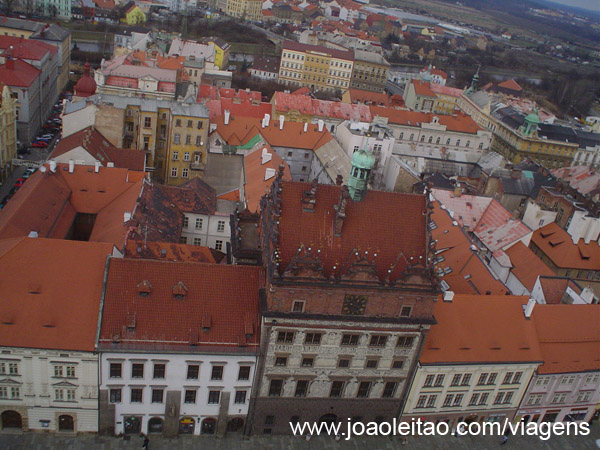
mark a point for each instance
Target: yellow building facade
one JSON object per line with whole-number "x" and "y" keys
{"x": 245, "y": 9}
{"x": 8, "y": 131}
{"x": 186, "y": 158}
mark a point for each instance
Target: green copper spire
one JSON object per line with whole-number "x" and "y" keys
{"x": 531, "y": 123}
{"x": 474, "y": 82}
{"x": 362, "y": 163}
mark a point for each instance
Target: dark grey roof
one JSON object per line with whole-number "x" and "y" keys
{"x": 20, "y": 24}
{"x": 529, "y": 182}
{"x": 52, "y": 33}
{"x": 438, "y": 180}
{"x": 224, "y": 172}
{"x": 509, "y": 116}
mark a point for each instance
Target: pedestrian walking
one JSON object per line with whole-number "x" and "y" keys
{"x": 146, "y": 442}
{"x": 505, "y": 437}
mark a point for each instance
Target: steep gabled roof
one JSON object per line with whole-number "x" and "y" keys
{"x": 261, "y": 167}
{"x": 526, "y": 266}
{"x": 18, "y": 73}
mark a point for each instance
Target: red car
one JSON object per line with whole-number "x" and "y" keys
{"x": 39, "y": 144}
{"x": 19, "y": 182}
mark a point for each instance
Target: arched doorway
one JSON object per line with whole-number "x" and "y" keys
{"x": 133, "y": 425}
{"x": 235, "y": 425}
{"x": 11, "y": 419}
{"x": 187, "y": 425}
{"x": 155, "y": 425}
{"x": 208, "y": 426}
{"x": 66, "y": 423}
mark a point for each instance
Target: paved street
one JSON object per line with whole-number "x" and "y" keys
{"x": 36, "y": 154}
{"x": 38, "y": 441}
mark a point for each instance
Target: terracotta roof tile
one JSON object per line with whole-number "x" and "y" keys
{"x": 61, "y": 282}
{"x": 227, "y": 295}
{"x": 379, "y": 215}
{"x": 554, "y": 288}
{"x": 422, "y": 88}
{"x": 458, "y": 122}
{"x": 170, "y": 251}
{"x": 30, "y": 49}
{"x": 473, "y": 329}
{"x": 558, "y": 246}
{"x": 304, "y": 104}
{"x": 569, "y": 337}
{"x": 526, "y": 266}
{"x": 261, "y": 167}
{"x": 18, "y": 73}
{"x": 369, "y": 97}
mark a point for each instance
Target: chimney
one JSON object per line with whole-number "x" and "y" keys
{"x": 52, "y": 166}
{"x": 71, "y": 166}
{"x": 10, "y": 62}
{"x": 281, "y": 120}
{"x": 305, "y": 127}
{"x": 321, "y": 124}
{"x": 340, "y": 210}
{"x": 528, "y": 308}
{"x": 267, "y": 119}
{"x": 339, "y": 180}
{"x": 110, "y": 164}
{"x": 457, "y": 190}
{"x": 587, "y": 295}
{"x": 448, "y": 296}
{"x": 126, "y": 216}
{"x": 33, "y": 234}
{"x": 309, "y": 198}
{"x": 227, "y": 114}
{"x": 96, "y": 166}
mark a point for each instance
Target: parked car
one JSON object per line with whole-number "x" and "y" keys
{"x": 19, "y": 182}
{"x": 48, "y": 136}
{"x": 39, "y": 144}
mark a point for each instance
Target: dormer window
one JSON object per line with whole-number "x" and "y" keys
{"x": 144, "y": 288}
{"x": 179, "y": 291}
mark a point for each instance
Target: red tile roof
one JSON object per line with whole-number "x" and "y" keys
{"x": 422, "y": 88}
{"x": 368, "y": 97}
{"x": 61, "y": 284}
{"x": 48, "y": 202}
{"x": 497, "y": 229}
{"x": 370, "y": 226}
{"x": 18, "y": 73}
{"x": 459, "y": 122}
{"x": 169, "y": 251}
{"x": 260, "y": 168}
{"x": 558, "y": 246}
{"x": 583, "y": 179}
{"x": 526, "y": 266}
{"x": 218, "y": 310}
{"x": 554, "y": 288}
{"x": 569, "y": 337}
{"x": 101, "y": 149}
{"x": 304, "y": 104}
{"x": 347, "y": 55}
{"x": 468, "y": 274}
{"x": 22, "y": 48}
{"x": 473, "y": 329}
{"x": 510, "y": 84}
{"x": 242, "y": 108}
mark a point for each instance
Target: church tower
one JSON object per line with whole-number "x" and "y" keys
{"x": 362, "y": 164}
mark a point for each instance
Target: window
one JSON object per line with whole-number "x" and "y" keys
{"x": 59, "y": 394}
{"x": 186, "y": 156}
{"x": 308, "y": 362}
{"x": 499, "y": 398}
{"x": 421, "y": 401}
{"x": 190, "y": 396}
{"x": 390, "y": 389}
{"x": 592, "y": 378}
{"x": 286, "y": 337}
{"x": 405, "y": 311}
{"x": 159, "y": 371}
{"x": 178, "y": 122}
{"x": 188, "y": 139}
{"x": 3, "y": 392}
{"x": 269, "y": 420}
{"x": 219, "y": 245}
{"x": 115, "y": 370}
{"x": 584, "y": 396}
{"x": 115, "y": 395}
{"x": 190, "y": 124}
{"x": 298, "y": 306}
{"x": 217, "y": 373}
{"x": 350, "y": 339}
{"x": 147, "y": 122}
{"x": 405, "y": 341}
{"x": 58, "y": 371}
{"x": 507, "y": 378}
{"x": 198, "y": 141}
{"x": 378, "y": 341}
{"x": 397, "y": 364}
{"x": 559, "y": 397}
{"x": 567, "y": 379}
{"x": 185, "y": 172}
{"x": 198, "y": 224}
{"x": 458, "y": 399}
{"x": 344, "y": 362}
{"x": 517, "y": 377}
{"x": 474, "y": 399}
{"x": 448, "y": 401}
{"x": 482, "y": 378}
{"x": 221, "y": 226}
{"x": 430, "y": 401}
{"x": 15, "y": 392}
{"x": 281, "y": 361}
{"x": 484, "y": 398}
{"x": 275, "y": 388}
{"x": 456, "y": 380}
{"x": 371, "y": 363}
{"x": 137, "y": 370}
{"x": 466, "y": 379}
{"x": 213, "y": 397}
{"x": 244, "y": 373}
{"x": 177, "y": 139}
{"x": 313, "y": 338}
{"x": 508, "y": 397}
{"x": 363, "y": 389}
{"x": 157, "y": 395}
{"x": 240, "y": 397}
{"x": 186, "y": 222}
{"x": 193, "y": 370}
{"x": 492, "y": 378}
{"x": 136, "y": 395}
{"x": 200, "y": 125}
{"x": 301, "y": 388}
{"x": 174, "y": 172}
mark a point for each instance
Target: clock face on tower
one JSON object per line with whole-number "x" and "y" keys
{"x": 354, "y": 305}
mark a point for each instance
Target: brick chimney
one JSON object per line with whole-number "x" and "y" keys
{"x": 340, "y": 211}
{"x": 339, "y": 180}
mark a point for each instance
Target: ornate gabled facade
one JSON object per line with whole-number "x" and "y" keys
{"x": 349, "y": 300}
